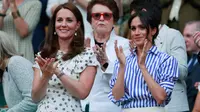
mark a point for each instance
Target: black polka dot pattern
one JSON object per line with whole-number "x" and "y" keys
{"x": 58, "y": 98}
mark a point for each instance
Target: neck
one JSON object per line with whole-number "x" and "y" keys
{"x": 4, "y": 64}
{"x": 101, "y": 38}
{"x": 65, "y": 44}
{"x": 140, "y": 48}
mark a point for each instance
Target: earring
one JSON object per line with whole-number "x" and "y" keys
{"x": 75, "y": 34}
{"x": 54, "y": 33}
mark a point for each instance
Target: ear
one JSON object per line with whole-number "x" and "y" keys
{"x": 153, "y": 31}
{"x": 78, "y": 25}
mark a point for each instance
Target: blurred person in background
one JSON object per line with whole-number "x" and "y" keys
{"x": 17, "y": 77}
{"x": 193, "y": 65}
{"x": 19, "y": 18}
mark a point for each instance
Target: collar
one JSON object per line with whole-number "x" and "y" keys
{"x": 153, "y": 50}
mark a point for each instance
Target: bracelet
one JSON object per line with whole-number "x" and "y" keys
{"x": 60, "y": 74}
{"x": 2, "y": 15}
{"x": 16, "y": 14}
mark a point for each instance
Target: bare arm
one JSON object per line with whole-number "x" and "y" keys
{"x": 39, "y": 86}
{"x": 20, "y": 25}
{"x": 83, "y": 3}
{"x": 197, "y": 104}
{"x": 156, "y": 90}
{"x": 118, "y": 89}
{"x": 80, "y": 88}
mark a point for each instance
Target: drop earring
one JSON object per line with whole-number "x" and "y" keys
{"x": 75, "y": 34}
{"x": 54, "y": 33}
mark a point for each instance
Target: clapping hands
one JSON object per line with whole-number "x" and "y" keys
{"x": 48, "y": 66}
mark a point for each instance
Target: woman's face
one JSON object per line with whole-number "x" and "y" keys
{"x": 138, "y": 32}
{"x": 66, "y": 24}
{"x": 102, "y": 19}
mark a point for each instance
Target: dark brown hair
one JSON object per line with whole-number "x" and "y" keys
{"x": 51, "y": 45}
{"x": 111, "y": 4}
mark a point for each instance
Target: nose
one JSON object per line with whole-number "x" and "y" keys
{"x": 64, "y": 24}
{"x": 101, "y": 17}
{"x": 137, "y": 31}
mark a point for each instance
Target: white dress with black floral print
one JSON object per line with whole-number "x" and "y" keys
{"x": 57, "y": 98}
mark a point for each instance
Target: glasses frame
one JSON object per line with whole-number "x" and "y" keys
{"x": 98, "y": 15}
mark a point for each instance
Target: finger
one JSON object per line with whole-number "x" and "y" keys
{"x": 116, "y": 48}
{"x": 104, "y": 47}
{"x": 121, "y": 49}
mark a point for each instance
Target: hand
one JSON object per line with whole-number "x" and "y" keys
{"x": 6, "y": 5}
{"x": 101, "y": 53}
{"x": 196, "y": 84}
{"x": 196, "y": 37}
{"x": 120, "y": 54}
{"x": 142, "y": 57}
{"x": 87, "y": 42}
{"x": 47, "y": 66}
{"x": 132, "y": 45}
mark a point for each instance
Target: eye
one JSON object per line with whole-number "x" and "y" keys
{"x": 69, "y": 20}
{"x": 107, "y": 15}
{"x": 96, "y": 15}
{"x": 59, "y": 19}
{"x": 133, "y": 28}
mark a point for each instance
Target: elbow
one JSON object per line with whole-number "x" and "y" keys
{"x": 117, "y": 95}
{"x": 24, "y": 33}
{"x": 83, "y": 95}
{"x": 161, "y": 98}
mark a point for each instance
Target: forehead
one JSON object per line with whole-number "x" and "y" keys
{"x": 136, "y": 21}
{"x": 100, "y": 8}
{"x": 190, "y": 28}
{"x": 65, "y": 13}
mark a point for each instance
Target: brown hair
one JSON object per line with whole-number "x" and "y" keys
{"x": 51, "y": 45}
{"x": 111, "y": 4}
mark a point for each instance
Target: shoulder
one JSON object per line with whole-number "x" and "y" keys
{"x": 164, "y": 57}
{"x": 19, "y": 61}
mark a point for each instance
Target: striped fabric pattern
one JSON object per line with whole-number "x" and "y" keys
{"x": 163, "y": 69}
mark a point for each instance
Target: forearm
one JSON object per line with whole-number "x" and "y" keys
{"x": 20, "y": 25}
{"x": 197, "y": 104}
{"x": 83, "y": 3}
{"x": 75, "y": 87}
{"x": 156, "y": 90}
{"x": 118, "y": 89}
{"x": 39, "y": 88}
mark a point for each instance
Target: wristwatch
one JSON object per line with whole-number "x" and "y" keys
{"x": 105, "y": 65}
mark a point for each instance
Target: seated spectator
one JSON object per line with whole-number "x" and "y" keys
{"x": 17, "y": 77}
{"x": 144, "y": 80}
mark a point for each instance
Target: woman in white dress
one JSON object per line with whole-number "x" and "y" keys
{"x": 64, "y": 71}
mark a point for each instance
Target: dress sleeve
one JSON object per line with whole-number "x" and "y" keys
{"x": 85, "y": 59}
{"x": 168, "y": 71}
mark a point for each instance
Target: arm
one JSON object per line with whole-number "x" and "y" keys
{"x": 39, "y": 85}
{"x": 83, "y": 3}
{"x": 197, "y": 104}
{"x": 51, "y": 6}
{"x": 25, "y": 25}
{"x": 156, "y": 90}
{"x": 22, "y": 74}
{"x": 79, "y": 88}
{"x": 5, "y": 6}
{"x": 178, "y": 50}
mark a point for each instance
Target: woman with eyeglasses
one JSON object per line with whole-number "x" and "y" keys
{"x": 102, "y": 15}
{"x": 144, "y": 80}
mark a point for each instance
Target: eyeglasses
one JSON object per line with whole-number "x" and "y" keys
{"x": 106, "y": 16}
